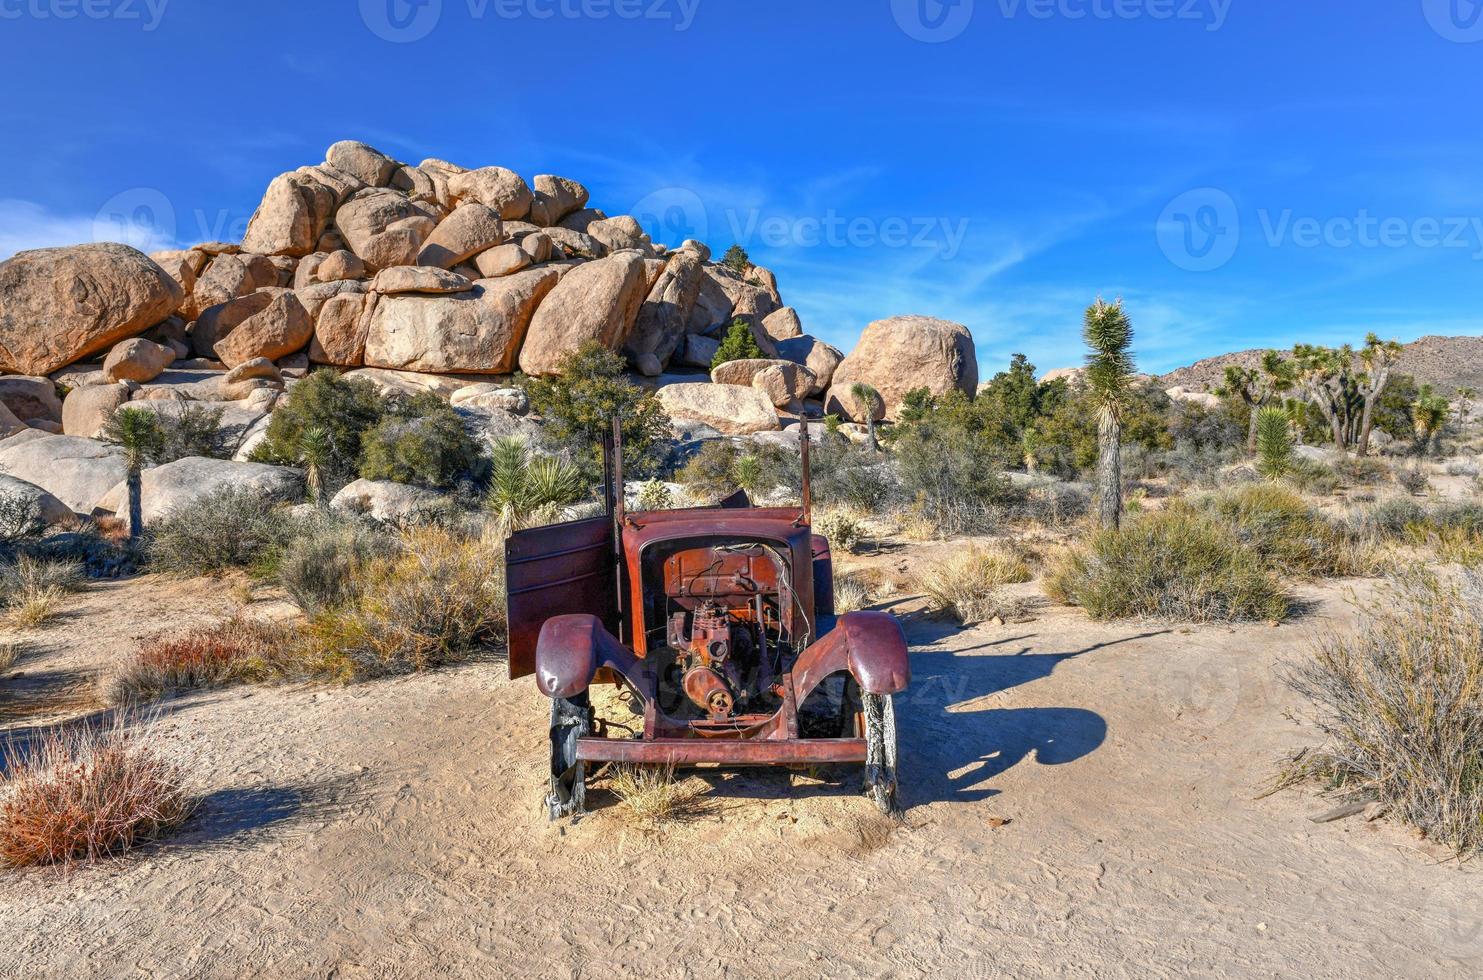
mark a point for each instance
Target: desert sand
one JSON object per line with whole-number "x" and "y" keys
{"x": 1082, "y": 799}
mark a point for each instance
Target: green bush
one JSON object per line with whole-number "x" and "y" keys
{"x": 739, "y": 344}
{"x": 1281, "y": 527}
{"x": 195, "y": 430}
{"x": 231, "y": 528}
{"x": 344, "y": 409}
{"x": 423, "y": 442}
{"x": 737, "y": 260}
{"x": 1175, "y": 564}
{"x": 579, "y": 405}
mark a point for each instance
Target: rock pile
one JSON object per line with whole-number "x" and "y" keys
{"x": 426, "y": 277}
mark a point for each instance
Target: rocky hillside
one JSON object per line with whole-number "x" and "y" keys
{"x": 1448, "y": 363}
{"x": 427, "y": 277}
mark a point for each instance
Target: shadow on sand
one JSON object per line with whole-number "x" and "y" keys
{"x": 953, "y": 741}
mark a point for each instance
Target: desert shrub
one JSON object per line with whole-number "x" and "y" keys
{"x": 439, "y": 599}
{"x": 1400, "y": 703}
{"x": 1468, "y": 469}
{"x": 211, "y": 656}
{"x": 32, "y": 589}
{"x": 722, "y": 467}
{"x": 20, "y": 520}
{"x": 1388, "y": 519}
{"x": 968, "y": 583}
{"x": 1048, "y": 503}
{"x": 950, "y": 470}
{"x": 343, "y": 409}
{"x": 579, "y": 404}
{"x": 738, "y": 344}
{"x": 852, "y": 593}
{"x": 1281, "y": 527}
{"x": 1174, "y": 564}
{"x": 195, "y": 430}
{"x": 737, "y": 260}
{"x": 423, "y": 442}
{"x": 321, "y": 563}
{"x": 842, "y": 528}
{"x": 1311, "y": 476}
{"x": 86, "y": 793}
{"x": 10, "y": 654}
{"x": 655, "y": 797}
{"x": 1361, "y": 471}
{"x": 233, "y": 527}
{"x": 1413, "y": 480}
{"x": 655, "y": 495}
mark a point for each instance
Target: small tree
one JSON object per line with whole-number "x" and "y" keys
{"x": 1429, "y": 414}
{"x": 1109, "y": 334}
{"x": 1274, "y": 443}
{"x": 1258, "y": 387}
{"x": 137, "y": 432}
{"x": 864, "y": 397}
{"x": 739, "y": 344}
{"x": 737, "y": 260}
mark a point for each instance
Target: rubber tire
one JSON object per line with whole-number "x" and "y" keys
{"x": 880, "y": 751}
{"x": 571, "y": 718}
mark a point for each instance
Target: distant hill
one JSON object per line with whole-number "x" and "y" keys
{"x": 1447, "y": 363}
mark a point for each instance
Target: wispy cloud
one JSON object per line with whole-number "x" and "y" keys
{"x": 28, "y": 225}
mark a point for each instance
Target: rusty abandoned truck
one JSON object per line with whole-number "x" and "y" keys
{"x": 717, "y": 625}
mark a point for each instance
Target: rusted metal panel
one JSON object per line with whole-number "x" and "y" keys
{"x": 558, "y": 570}
{"x": 732, "y": 753}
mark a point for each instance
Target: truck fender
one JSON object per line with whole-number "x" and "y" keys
{"x": 870, "y": 645}
{"x": 572, "y": 649}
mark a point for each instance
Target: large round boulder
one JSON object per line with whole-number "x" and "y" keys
{"x": 594, "y": 301}
{"x": 48, "y": 509}
{"x": 275, "y": 326}
{"x": 820, "y": 358}
{"x": 164, "y": 488}
{"x": 58, "y": 305}
{"x": 660, "y": 327}
{"x": 479, "y": 331}
{"x": 729, "y": 409}
{"x": 384, "y": 500}
{"x": 469, "y": 230}
{"x": 78, "y": 472}
{"x": 784, "y": 382}
{"x": 503, "y": 190}
{"x": 137, "y": 360}
{"x": 555, "y": 198}
{"x": 31, "y": 399}
{"x": 903, "y": 353}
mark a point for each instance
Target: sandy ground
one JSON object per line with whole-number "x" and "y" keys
{"x": 1082, "y": 801}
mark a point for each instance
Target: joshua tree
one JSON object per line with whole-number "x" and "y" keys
{"x": 1273, "y": 443}
{"x": 1346, "y": 385}
{"x": 1109, "y": 375}
{"x": 1258, "y": 387}
{"x": 864, "y": 396}
{"x": 138, "y": 433}
{"x": 315, "y": 452}
{"x": 1379, "y": 358}
{"x": 1429, "y": 414}
{"x": 1465, "y": 398}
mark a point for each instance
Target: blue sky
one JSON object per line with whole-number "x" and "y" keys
{"x": 1241, "y": 172}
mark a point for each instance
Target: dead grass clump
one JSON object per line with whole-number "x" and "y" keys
{"x": 436, "y": 601}
{"x": 214, "y": 656}
{"x": 655, "y": 797}
{"x": 842, "y": 528}
{"x": 10, "y": 653}
{"x": 33, "y": 589}
{"x": 1174, "y": 564}
{"x": 1400, "y": 701}
{"x": 852, "y": 593}
{"x": 82, "y": 794}
{"x": 968, "y": 584}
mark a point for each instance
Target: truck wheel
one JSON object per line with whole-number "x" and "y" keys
{"x": 880, "y": 750}
{"x": 571, "y": 718}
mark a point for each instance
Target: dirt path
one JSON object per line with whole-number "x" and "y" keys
{"x": 392, "y": 830}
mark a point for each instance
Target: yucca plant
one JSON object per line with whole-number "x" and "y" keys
{"x": 1109, "y": 334}
{"x": 138, "y": 433}
{"x": 1274, "y": 443}
{"x": 864, "y": 397}
{"x": 525, "y": 490}
{"x": 1429, "y": 414}
{"x": 315, "y": 453}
